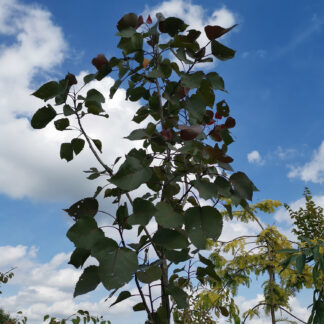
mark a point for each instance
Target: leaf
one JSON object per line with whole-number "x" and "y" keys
{"x": 196, "y": 108}
{"x": 179, "y": 296}
{"x": 122, "y": 296}
{"x": 128, "y": 20}
{"x": 192, "y": 80}
{"x": 87, "y": 207}
{"x": 150, "y": 274}
{"x": 77, "y": 145}
{"x": 89, "y": 77}
{"x": 202, "y": 223}
{"x": 206, "y": 189}
{"x": 300, "y": 262}
{"x": 213, "y": 32}
{"x": 221, "y": 52}
{"x": 166, "y": 216}
{"x": 94, "y": 107}
{"x": 138, "y": 307}
{"x": 78, "y": 257}
{"x": 95, "y": 95}
{"x": 177, "y": 256}
{"x": 216, "y": 81}
{"x": 47, "y": 91}
{"x": 66, "y": 152}
{"x": 143, "y": 211}
{"x": 131, "y": 44}
{"x": 188, "y": 133}
{"x": 131, "y": 174}
{"x": 223, "y": 187}
{"x": 243, "y": 185}
{"x": 85, "y": 233}
{"x": 170, "y": 239}
{"x": 88, "y": 281}
{"x": 103, "y": 246}
{"x": 43, "y": 116}
{"x": 172, "y": 26}
{"x": 67, "y": 110}
{"x": 62, "y": 124}
{"x": 230, "y": 122}
{"x": 137, "y": 134}
{"x": 116, "y": 268}
{"x": 98, "y": 144}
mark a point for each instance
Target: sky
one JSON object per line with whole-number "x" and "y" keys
{"x": 275, "y": 91}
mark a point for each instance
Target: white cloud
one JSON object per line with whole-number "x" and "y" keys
{"x": 285, "y": 154}
{"x": 29, "y": 159}
{"x": 254, "y": 157}
{"x": 48, "y": 289}
{"x": 195, "y": 16}
{"x": 312, "y": 171}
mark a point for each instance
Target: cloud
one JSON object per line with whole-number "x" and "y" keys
{"x": 312, "y": 171}
{"x": 254, "y": 157}
{"x": 314, "y": 25}
{"x": 196, "y": 16}
{"x": 48, "y": 289}
{"x": 29, "y": 159}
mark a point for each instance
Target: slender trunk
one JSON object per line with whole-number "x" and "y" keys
{"x": 271, "y": 283}
{"x": 165, "y": 296}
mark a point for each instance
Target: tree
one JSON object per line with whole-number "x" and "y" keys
{"x": 236, "y": 260}
{"x": 183, "y": 156}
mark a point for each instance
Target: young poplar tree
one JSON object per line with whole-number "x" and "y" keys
{"x": 185, "y": 135}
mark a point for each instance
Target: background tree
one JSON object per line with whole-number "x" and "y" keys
{"x": 183, "y": 156}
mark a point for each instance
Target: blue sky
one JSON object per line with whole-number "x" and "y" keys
{"x": 276, "y": 94}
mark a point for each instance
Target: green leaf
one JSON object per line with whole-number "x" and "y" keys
{"x": 166, "y": 216}
{"x": 196, "y": 108}
{"x": 222, "y": 52}
{"x": 43, "y": 116}
{"x": 77, "y": 145}
{"x": 103, "y": 246}
{"x": 131, "y": 174}
{"x": 131, "y": 44}
{"x": 177, "y": 256}
{"x": 223, "y": 187}
{"x": 87, "y": 207}
{"x": 98, "y": 144}
{"x": 226, "y": 136}
{"x": 95, "y": 95}
{"x": 172, "y": 26}
{"x": 116, "y": 268}
{"x": 138, "y": 307}
{"x": 114, "y": 88}
{"x": 94, "y": 107}
{"x": 170, "y": 239}
{"x": 89, "y": 77}
{"x": 300, "y": 262}
{"x": 47, "y": 91}
{"x": 67, "y": 110}
{"x": 88, "y": 281}
{"x": 62, "y": 124}
{"x": 193, "y": 80}
{"x": 78, "y": 257}
{"x": 143, "y": 210}
{"x": 137, "y": 134}
{"x": 206, "y": 189}
{"x": 243, "y": 185}
{"x": 128, "y": 32}
{"x": 122, "y": 296}
{"x": 150, "y": 274}
{"x": 202, "y": 223}
{"x": 216, "y": 81}
{"x": 85, "y": 233}
{"x": 66, "y": 151}
{"x": 179, "y": 296}
{"x": 206, "y": 92}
